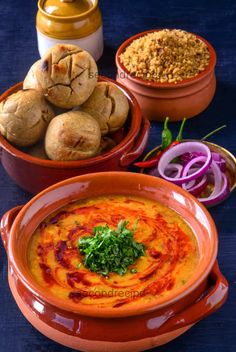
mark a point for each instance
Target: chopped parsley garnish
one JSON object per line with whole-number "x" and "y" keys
{"x": 110, "y": 250}
{"x": 133, "y": 271}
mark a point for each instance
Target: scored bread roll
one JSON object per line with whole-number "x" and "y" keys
{"x": 108, "y": 105}
{"x": 74, "y": 135}
{"x": 66, "y": 74}
{"x": 31, "y": 80}
{"x": 24, "y": 117}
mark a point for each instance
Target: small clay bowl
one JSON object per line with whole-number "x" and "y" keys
{"x": 157, "y": 100}
{"x": 125, "y": 328}
{"x": 34, "y": 174}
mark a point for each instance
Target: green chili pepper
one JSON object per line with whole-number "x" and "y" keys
{"x": 166, "y": 135}
{"x": 179, "y": 137}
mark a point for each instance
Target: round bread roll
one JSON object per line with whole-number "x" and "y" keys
{"x": 24, "y": 117}
{"x": 31, "y": 80}
{"x": 74, "y": 135}
{"x": 108, "y": 105}
{"x": 66, "y": 74}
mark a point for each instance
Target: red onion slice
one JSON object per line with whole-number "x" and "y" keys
{"x": 221, "y": 187}
{"x": 189, "y": 185}
{"x": 220, "y": 161}
{"x": 199, "y": 187}
{"x": 187, "y": 157}
{"x": 172, "y": 169}
{"x": 177, "y": 151}
{"x": 216, "y": 156}
{"x": 222, "y": 165}
{"x": 187, "y": 168}
{"x": 192, "y": 183}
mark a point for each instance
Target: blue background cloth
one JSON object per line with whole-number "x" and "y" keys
{"x": 214, "y": 20}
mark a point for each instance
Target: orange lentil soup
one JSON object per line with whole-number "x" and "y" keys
{"x": 171, "y": 252}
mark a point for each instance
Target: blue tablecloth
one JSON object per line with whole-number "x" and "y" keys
{"x": 214, "y": 20}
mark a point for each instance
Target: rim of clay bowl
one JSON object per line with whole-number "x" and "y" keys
{"x": 166, "y": 85}
{"x": 143, "y": 182}
{"x": 136, "y": 121}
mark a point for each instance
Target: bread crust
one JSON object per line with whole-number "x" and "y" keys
{"x": 66, "y": 75}
{"x": 24, "y": 117}
{"x": 108, "y": 105}
{"x": 74, "y": 135}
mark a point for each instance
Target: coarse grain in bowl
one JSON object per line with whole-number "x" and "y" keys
{"x": 34, "y": 174}
{"x": 123, "y": 328}
{"x": 186, "y": 98}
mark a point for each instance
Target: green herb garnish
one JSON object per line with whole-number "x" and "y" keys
{"x": 110, "y": 250}
{"x": 133, "y": 271}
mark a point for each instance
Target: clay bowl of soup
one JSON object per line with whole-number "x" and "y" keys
{"x": 33, "y": 173}
{"x": 176, "y": 283}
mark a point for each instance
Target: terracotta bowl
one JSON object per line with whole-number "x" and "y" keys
{"x": 103, "y": 329}
{"x": 185, "y": 99}
{"x": 34, "y": 174}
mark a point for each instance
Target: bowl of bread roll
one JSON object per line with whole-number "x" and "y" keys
{"x": 65, "y": 120}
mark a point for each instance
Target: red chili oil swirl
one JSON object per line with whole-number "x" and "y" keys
{"x": 61, "y": 215}
{"x": 47, "y": 273}
{"x": 176, "y": 245}
{"x": 154, "y": 253}
{"x": 77, "y": 277}
{"x": 77, "y": 296}
{"x": 131, "y": 201}
{"x": 60, "y": 249}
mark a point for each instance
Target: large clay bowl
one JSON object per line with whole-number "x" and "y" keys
{"x": 124, "y": 328}
{"x": 34, "y": 174}
{"x": 185, "y": 99}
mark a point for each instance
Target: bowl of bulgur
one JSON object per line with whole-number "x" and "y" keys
{"x": 170, "y": 71}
